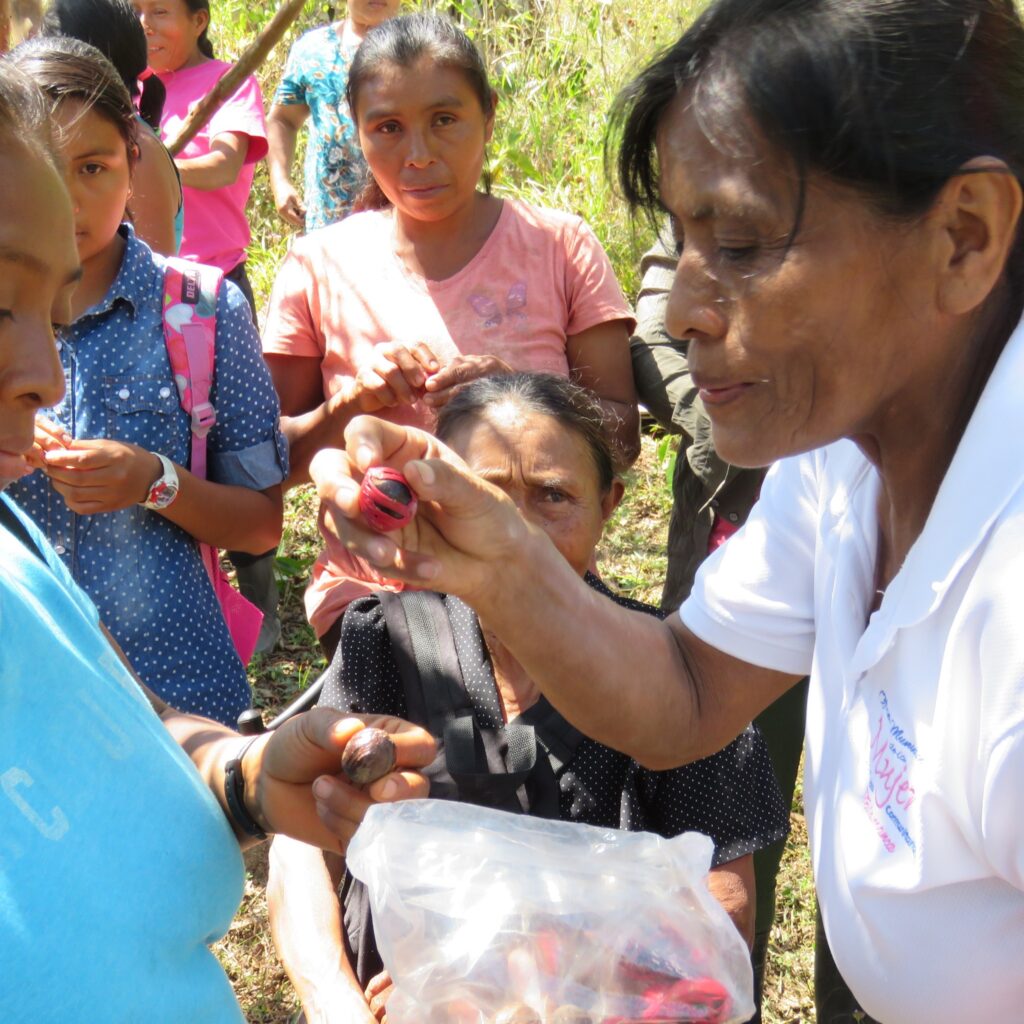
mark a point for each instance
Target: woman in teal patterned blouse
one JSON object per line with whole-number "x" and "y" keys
{"x": 314, "y": 84}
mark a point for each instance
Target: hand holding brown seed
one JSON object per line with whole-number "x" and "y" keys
{"x": 368, "y": 756}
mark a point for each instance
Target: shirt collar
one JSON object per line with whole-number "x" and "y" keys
{"x": 986, "y": 472}
{"x": 132, "y": 283}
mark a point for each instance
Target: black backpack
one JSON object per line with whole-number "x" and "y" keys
{"x": 512, "y": 768}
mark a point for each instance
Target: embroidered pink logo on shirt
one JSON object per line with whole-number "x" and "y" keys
{"x": 890, "y": 792}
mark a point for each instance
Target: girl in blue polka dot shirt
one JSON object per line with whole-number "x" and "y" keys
{"x": 113, "y": 492}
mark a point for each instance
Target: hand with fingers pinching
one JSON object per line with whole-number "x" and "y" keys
{"x": 395, "y": 375}
{"x": 299, "y": 787}
{"x": 47, "y": 437}
{"x": 464, "y": 531}
{"x": 100, "y": 475}
{"x": 439, "y": 387}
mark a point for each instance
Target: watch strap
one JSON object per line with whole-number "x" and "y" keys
{"x": 234, "y": 795}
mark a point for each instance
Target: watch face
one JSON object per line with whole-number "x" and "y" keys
{"x": 162, "y": 494}
{"x": 165, "y": 490}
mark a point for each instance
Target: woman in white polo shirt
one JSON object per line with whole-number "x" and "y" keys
{"x": 843, "y": 179}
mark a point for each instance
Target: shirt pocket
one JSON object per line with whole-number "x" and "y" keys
{"x": 141, "y": 410}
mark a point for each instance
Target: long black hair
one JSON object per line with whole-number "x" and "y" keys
{"x": 572, "y": 407}
{"x": 888, "y": 97}
{"x": 401, "y": 42}
{"x": 113, "y": 27}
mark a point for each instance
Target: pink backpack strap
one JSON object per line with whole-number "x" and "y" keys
{"x": 190, "y": 333}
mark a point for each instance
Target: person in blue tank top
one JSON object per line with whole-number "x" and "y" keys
{"x": 121, "y": 819}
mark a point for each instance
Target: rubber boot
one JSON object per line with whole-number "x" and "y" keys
{"x": 257, "y": 584}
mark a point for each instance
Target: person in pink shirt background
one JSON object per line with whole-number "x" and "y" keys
{"x": 217, "y": 166}
{"x": 435, "y": 284}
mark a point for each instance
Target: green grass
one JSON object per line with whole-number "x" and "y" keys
{"x": 557, "y": 64}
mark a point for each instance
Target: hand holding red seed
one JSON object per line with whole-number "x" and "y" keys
{"x": 386, "y": 500}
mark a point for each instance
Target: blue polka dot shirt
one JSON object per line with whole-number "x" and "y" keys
{"x": 142, "y": 571}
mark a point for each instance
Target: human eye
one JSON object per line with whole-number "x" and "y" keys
{"x": 737, "y": 253}
{"x": 443, "y": 120}
{"x": 554, "y": 495}
{"x": 388, "y": 128}
{"x": 91, "y": 168}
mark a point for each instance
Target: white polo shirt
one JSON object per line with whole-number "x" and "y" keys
{"x": 914, "y": 770}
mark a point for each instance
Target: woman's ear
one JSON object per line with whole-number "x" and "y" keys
{"x": 202, "y": 20}
{"x": 489, "y": 123}
{"x": 611, "y": 498}
{"x": 979, "y": 210}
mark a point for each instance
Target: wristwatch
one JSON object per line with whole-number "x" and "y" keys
{"x": 165, "y": 487}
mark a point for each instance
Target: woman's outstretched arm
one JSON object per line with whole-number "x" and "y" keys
{"x": 648, "y": 688}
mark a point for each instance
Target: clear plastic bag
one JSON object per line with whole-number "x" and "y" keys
{"x": 483, "y": 917}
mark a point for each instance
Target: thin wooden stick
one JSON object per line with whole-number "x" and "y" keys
{"x": 254, "y": 56}
{"x": 5, "y": 25}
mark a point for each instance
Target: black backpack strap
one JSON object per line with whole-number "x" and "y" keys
{"x": 428, "y": 662}
{"x": 558, "y": 737}
{"x": 14, "y": 525}
{"x": 467, "y": 756}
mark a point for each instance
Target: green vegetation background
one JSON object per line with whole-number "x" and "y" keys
{"x": 557, "y": 65}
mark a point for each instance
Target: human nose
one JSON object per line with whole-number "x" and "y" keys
{"x": 418, "y": 153}
{"x": 695, "y": 307}
{"x": 73, "y": 185}
{"x": 36, "y": 380}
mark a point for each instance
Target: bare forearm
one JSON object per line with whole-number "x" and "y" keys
{"x": 225, "y": 516}
{"x": 585, "y": 653}
{"x": 210, "y": 172}
{"x": 281, "y": 140}
{"x": 307, "y": 925}
{"x": 322, "y": 427}
{"x": 210, "y": 745}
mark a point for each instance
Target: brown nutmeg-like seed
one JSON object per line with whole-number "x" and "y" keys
{"x": 519, "y": 1013}
{"x": 368, "y": 756}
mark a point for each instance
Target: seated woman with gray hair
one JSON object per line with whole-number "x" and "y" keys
{"x": 540, "y": 440}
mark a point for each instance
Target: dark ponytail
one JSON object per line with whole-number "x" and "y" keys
{"x": 151, "y": 101}
{"x": 113, "y": 27}
{"x": 204, "y": 44}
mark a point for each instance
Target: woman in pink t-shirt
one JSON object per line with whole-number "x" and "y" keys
{"x": 217, "y": 165}
{"x": 437, "y": 282}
